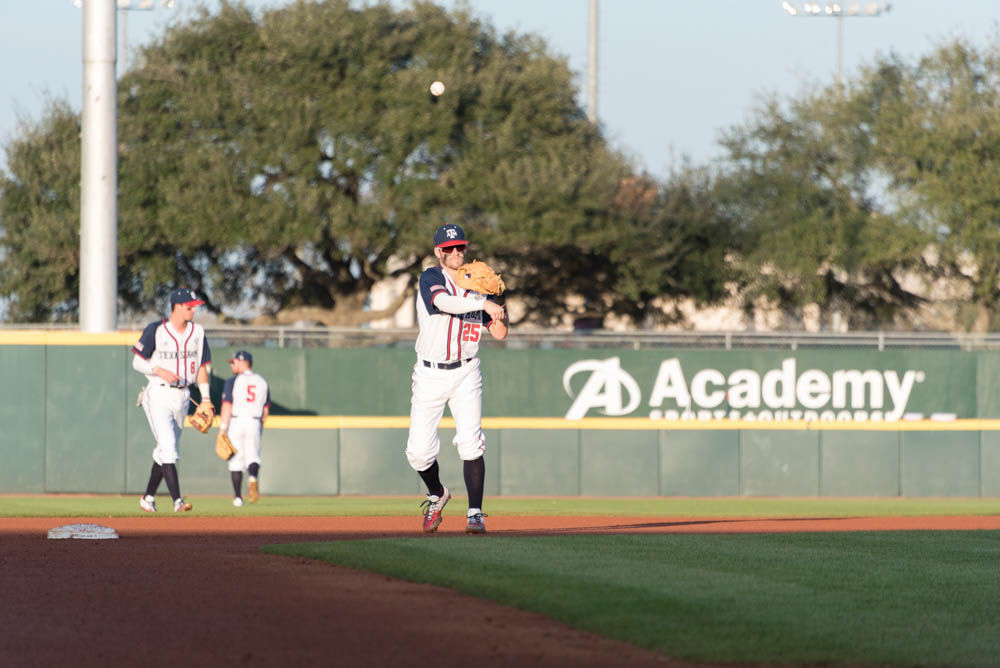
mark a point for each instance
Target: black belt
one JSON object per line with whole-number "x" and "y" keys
{"x": 446, "y": 365}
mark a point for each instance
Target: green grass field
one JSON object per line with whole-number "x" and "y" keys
{"x": 74, "y": 505}
{"x": 899, "y": 598}
{"x": 886, "y": 598}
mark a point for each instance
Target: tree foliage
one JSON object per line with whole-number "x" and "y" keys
{"x": 936, "y": 131}
{"x": 858, "y": 199}
{"x": 804, "y": 189}
{"x": 39, "y": 232}
{"x": 286, "y": 162}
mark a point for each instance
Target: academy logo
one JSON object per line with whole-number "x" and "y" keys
{"x": 784, "y": 393}
{"x": 603, "y": 388}
{"x": 452, "y": 233}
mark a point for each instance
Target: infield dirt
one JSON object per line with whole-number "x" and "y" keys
{"x": 196, "y": 591}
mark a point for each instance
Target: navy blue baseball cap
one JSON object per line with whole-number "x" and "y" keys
{"x": 242, "y": 355}
{"x": 449, "y": 235}
{"x": 184, "y": 296}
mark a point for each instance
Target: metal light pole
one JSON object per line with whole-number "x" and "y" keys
{"x": 99, "y": 172}
{"x": 592, "y": 63}
{"x": 839, "y": 12}
{"x": 98, "y": 294}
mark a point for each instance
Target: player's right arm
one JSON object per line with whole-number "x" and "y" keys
{"x": 267, "y": 405}
{"x": 437, "y": 299}
{"x": 142, "y": 359}
{"x": 227, "y": 404}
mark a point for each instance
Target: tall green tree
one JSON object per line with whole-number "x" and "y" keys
{"x": 39, "y": 219}
{"x": 284, "y": 163}
{"x": 935, "y": 126}
{"x": 802, "y": 184}
{"x": 861, "y": 199}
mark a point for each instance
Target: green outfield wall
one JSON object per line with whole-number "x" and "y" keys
{"x": 558, "y": 422}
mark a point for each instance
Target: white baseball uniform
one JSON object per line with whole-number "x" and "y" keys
{"x": 166, "y": 405}
{"x": 249, "y": 395}
{"x": 447, "y": 369}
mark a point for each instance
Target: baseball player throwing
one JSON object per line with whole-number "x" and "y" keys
{"x": 246, "y": 403}
{"x": 447, "y": 372}
{"x": 173, "y": 354}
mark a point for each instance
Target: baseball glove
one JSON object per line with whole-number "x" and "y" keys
{"x": 203, "y": 416}
{"x": 224, "y": 447}
{"x": 480, "y": 277}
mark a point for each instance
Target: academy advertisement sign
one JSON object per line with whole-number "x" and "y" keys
{"x": 771, "y": 387}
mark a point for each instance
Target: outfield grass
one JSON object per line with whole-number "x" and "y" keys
{"x": 72, "y": 505}
{"x": 885, "y": 598}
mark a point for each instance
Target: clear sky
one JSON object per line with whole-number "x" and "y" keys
{"x": 673, "y": 73}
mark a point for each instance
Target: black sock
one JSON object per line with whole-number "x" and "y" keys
{"x": 432, "y": 479}
{"x": 170, "y": 476}
{"x": 254, "y": 469}
{"x": 155, "y": 476}
{"x": 237, "y": 477}
{"x": 475, "y": 477}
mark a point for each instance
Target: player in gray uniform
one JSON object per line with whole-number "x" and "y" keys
{"x": 173, "y": 354}
{"x": 447, "y": 372}
{"x": 246, "y": 403}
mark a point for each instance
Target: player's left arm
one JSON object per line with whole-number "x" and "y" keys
{"x": 203, "y": 382}
{"x": 205, "y": 371}
{"x": 498, "y": 327}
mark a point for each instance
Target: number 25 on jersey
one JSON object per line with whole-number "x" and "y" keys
{"x": 470, "y": 331}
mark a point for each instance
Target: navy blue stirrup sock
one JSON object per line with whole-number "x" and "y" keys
{"x": 155, "y": 476}
{"x": 170, "y": 476}
{"x": 431, "y": 477}
{"x": 475, "y": 478}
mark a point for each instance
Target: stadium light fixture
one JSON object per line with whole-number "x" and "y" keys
{"x": 125, "y": 6}
{"x": 136, "y": 4}
{"x": 839, "y": 12}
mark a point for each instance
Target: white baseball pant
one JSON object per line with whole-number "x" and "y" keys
{"x": 245, "y": 436}
{"x": 165, "y": 409}
{"x": 462, "y": 390}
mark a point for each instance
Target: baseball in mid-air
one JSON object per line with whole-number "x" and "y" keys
{"x": 437, "y": 88}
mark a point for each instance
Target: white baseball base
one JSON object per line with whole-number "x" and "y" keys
{"x": 83, "y": 531}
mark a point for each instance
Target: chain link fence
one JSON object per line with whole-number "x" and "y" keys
{"x": 360, "y": 337}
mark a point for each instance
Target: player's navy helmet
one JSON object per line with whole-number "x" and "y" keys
{"x": 449, "y": 235}
{"x": 243, "y": 355}
{"x": 184, "y": 296}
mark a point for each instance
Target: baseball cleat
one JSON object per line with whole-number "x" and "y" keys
{"x": 253, "y": 492}
{"x": 475, "y": 524}
{"x": 433, "y": 505}
{"x": 147, "y": 503}
{"x": 238, "y": 502}
{"x": 180, "y": 505}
